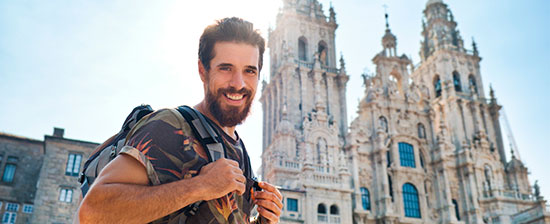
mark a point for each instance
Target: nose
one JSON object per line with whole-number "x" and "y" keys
{"x": 237, "y": 80}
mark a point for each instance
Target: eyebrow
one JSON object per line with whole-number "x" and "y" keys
{"x": 231, "y": 65}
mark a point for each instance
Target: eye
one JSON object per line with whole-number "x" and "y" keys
{"x": 250, "y": 71}
{"x": 225, "y": 68}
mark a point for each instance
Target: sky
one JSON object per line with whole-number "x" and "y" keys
{"x": 83, "y": 65}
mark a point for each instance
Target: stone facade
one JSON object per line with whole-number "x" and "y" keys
{"x": 426, "y": 146}
{"x": 45, "y": 187}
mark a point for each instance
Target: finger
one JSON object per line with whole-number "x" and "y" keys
{"x": 271, "y": 188}
{"x": 240, "y": 188}
{"x": 268, "y": 196}
{"x": 240, "y": 178}
{"x": 272, "y": 218}
{"x": 269, "y": 205}
{"x": 237, "y": 170}
{"x": 230, "y": 162}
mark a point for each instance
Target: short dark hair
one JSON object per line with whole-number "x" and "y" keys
{"x": 229, "y": 30}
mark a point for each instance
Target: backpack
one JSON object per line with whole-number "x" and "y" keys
{"x": 208, "y": 137}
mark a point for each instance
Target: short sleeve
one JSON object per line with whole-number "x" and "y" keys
{"x": 164, "y": 144}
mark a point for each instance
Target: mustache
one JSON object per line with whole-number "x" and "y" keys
{"x": 232, "y": 90}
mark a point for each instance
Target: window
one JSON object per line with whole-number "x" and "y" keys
{"x": 322, "y": 213}
{"x": 292, "y": 204}
{"x": 388, "y": 157}
{"x": 437, "y": 86}
{"x": 457, "y": 213}
{"x": 27, "y": 208}
{"x": 488, "y": 187}
{"x": 410, "y": 201}
{"x": 334, "y": 210}
{"x": 302, "y": 49}
{"x": 421, "y": 131}
{"x": 322, "y": 51}
{"x": 9, "y": 173}
{"x": 9, "y": 217}
{"x": 12, "y": 207}
{"x": 456, "y": 81}
{"x": 365, "y": 198}
{"x": 66, "y": 195}
{"x": 73, "y": 164}
{"x": 334, "y": 214}
{"x": 421, "y": 159}
{"x": 472, "y": 82}
{"x": 406, "y": 155}
{"x": 383, "y": 123}
{"x": 390, "y": 186}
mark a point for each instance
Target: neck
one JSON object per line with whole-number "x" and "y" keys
{"x": 201, "y": 107}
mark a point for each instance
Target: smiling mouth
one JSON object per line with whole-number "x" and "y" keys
{"x": 234, "y": 96}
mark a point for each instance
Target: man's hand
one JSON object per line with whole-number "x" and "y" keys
{"x": 220, "y": 178}
{"x": 269, "y": 202}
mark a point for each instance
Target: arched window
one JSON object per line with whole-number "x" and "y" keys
{"x": 437, "y": 86}
{"x": 456, "y": 81}
{"x": 472, "y": 82}
{"x": 383, "y": 123}
{"x": 322, "y": 213}
{"x": 457, "y": 213}
{"x": 406, "y": 154}
{"x": 410, "y": 201}
{"x": 421, "y": 131}
{"x": 302, "y": 49}
{"x": 322, "y": 50}
{"x": 334, "y": 210}
{"x": 365, "y": 198}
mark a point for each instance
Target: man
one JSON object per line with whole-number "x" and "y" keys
{"x": 163, "y": 168}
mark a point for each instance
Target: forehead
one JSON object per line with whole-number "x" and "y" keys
{"x": 238, "y": 54}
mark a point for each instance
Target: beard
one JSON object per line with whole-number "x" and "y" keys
{"x": 229, "y": 116}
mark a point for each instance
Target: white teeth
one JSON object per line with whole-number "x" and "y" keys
{"x": 234, "y": 97}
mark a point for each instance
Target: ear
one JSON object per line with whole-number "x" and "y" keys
{"x": 202, "y": 71}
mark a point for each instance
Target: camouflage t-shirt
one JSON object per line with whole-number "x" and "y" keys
{"x": 164, "y": 144}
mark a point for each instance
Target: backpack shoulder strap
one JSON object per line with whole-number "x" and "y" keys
{"x": 206, "y": 134}
{"x": 211, "y": 141}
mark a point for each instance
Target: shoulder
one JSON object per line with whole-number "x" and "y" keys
{"x": 166, "y": 116}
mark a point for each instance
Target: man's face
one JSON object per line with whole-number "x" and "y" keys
{"x": 231, "y": 82}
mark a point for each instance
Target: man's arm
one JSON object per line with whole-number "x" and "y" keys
{"x": 121, "y": 193}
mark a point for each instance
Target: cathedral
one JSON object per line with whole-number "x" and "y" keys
{"x": 426, "y": 145}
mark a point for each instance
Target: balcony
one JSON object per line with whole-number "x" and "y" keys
{"x": 509, "y": 194}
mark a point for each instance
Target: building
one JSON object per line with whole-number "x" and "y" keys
{"x": 426, "y": 146}
{"x": 39, "y": 178}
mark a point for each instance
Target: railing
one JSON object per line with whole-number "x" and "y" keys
{"x": 334, "y": 219}
{"x": 304, "y": 64}
{"x": 292, "y": 165}
{"x": 322, "y": 218}
{"x": 329, "y": 69}
{"x": 310, "y": 66}
{"x": 508, "y": 194}
{"x": 325, "y": 179}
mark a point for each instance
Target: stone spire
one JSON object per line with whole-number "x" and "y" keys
{"x": 439, "y": 31}
{"x": 332, "y": 14}
{"x": 474, "y": 47}
{"x": 342, "y": 64}
{"x": 389, "y": 41}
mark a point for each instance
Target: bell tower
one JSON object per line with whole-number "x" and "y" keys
{"x": 304, "y": 106}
